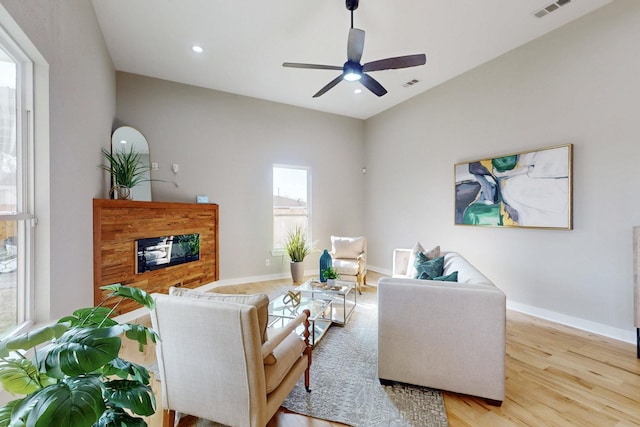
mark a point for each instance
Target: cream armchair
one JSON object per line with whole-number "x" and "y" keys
{"x": 215, "y": 360}
{"x": 350, "y": 259}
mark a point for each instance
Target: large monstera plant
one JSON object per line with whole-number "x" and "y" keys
{"x": 70, "y": 372}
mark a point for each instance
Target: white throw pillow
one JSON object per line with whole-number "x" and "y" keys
{"x": 347, "y": 247}
{"x": 417, "y": 248}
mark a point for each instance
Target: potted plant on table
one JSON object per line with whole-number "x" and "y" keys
{"x": 331, "y": 274}
{"x": 76, "y": 378}
{"x": 297, "y": 248}
{"x": 126, "y": 169}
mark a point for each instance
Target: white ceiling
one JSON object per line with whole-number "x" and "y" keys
{"x": 246, "y": 42}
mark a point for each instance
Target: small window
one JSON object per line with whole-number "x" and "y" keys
{"x": 291, "y": 203}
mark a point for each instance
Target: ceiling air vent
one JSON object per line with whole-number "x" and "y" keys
{"x": 550, "y": 8}
{"x": 410, "y": 83}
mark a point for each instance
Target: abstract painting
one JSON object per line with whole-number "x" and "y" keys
{"x": 527, "y": 189}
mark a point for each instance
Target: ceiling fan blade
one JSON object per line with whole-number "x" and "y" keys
{"x": 329, "y": 85}
{"x": 312, "y": 66}
{"x": 372, "y": 84}
{"x": 394, "y": 63}
{"x": 355, "y": 45}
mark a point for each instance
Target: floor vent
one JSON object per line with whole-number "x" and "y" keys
{"x": 410, "y": 83}
{"x": 550, "y": 8}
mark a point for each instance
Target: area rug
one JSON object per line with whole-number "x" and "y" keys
{"x": 345, "y": 386}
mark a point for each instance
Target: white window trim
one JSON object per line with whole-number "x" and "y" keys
{"x": 280, "y": 252}
{"x": 35, "y": 127}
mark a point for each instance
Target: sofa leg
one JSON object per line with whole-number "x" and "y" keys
{"x": 385, "y": 382}
{"x": 493, "y": 402}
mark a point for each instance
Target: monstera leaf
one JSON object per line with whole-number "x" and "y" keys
{"x": 118, "y": 418}
{"x": 21, "y": 376}
{"x": 138, "y": 295}
{"x": 74, "y": 402}
{"x": 36, "y": 337}
{"x": 124, "y": 370}
{"x": 71, "y": 380}
{"x": 131, "y": 395}
{"x": 82, "y": 351}
{"x": 91, "y": 316}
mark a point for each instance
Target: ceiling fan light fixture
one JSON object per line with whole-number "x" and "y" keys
{"x": 352, "y": 76}
{"x": 352, "y": 71}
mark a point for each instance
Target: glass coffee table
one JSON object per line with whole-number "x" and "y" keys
{"x": 343, "y": 295}
{"x": 280, "y": 312}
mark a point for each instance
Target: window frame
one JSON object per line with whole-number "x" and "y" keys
{"x": 279, "y": 250}
{"x": 25, "y": 182}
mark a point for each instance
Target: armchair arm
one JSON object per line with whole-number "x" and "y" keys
{"x": 280, "y": 334}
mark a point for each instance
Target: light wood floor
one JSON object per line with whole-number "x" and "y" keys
{"x": 555, "y": 376}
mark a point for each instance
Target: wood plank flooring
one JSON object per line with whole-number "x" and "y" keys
{"x": 555, "y": 376}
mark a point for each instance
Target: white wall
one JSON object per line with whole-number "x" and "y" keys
{"x": 577, "y": 85}
{"x": 226, "y": 146}
{"x": 81, "y": 112}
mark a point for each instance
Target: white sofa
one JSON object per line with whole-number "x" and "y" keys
{"x": 443, "y": 335}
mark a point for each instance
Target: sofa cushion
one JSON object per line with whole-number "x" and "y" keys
{"x": 259, "y": 301}
{"x": 428, "y": 268}
{"x": 417, "y": 248}
{"x": 347, "y": 247}
{"x": 346, "y": 267}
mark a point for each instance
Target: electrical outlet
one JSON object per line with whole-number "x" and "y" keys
{"x": 267, "y": 262}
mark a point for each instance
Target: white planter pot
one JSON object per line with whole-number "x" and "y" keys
{"x": 297, "y": 271}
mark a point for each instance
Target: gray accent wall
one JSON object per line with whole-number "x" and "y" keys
{"x": 226, "y": 145}
{"x": 577, "y": 85}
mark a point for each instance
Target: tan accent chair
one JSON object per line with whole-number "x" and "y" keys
{"x": 350, "y": 259}
{"x": 213, "y": 362}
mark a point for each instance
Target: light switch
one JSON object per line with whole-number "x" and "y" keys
{"x": 175, "y": 168}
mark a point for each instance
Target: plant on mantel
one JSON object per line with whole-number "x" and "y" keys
{"x": 75, "y": 377}
{"x": 126, "y": 169}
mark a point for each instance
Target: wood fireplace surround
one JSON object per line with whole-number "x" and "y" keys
{"x": 117, "y": 224}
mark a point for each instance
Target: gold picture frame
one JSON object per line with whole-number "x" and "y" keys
{"x": 529, "y": 189}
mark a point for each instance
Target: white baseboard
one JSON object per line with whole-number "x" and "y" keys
{"x": 575, "y": 322}
{"x": 380, "y": 270}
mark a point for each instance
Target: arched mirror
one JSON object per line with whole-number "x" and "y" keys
{"x": 124, "y": 140}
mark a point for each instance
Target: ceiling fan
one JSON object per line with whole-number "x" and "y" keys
{"x": 352, "y": 70}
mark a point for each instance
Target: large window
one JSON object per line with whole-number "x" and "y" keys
{"x": 291, "y": 202}
{"x": 16, "y": 186}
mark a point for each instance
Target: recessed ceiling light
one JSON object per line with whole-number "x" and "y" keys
{"x": 197, "y": 49}
{"x": 357, "y": 91}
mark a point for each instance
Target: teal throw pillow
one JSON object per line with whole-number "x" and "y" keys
{"x": 428, "y": 268}
{"x": 453, "y": 277}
